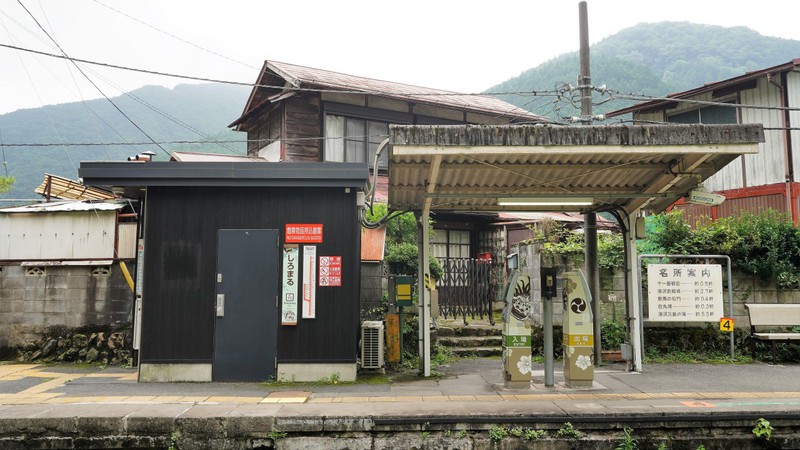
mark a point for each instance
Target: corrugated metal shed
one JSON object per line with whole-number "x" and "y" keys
{"x": 66, "y": 206}
{"x": 470, "y": 168}
{"x": 59, "y": 231}
{"x": 373, "y": 242}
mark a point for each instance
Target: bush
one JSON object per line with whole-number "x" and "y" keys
{"x": 766, "y": 245}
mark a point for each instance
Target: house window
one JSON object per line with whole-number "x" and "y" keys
{"x": 450, "y": 244}
{"x": 707, "y": 115}
{"x": 349, "y": 139}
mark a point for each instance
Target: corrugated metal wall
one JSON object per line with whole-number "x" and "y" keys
{"x": 180, "y": 263}
{"x": 767, "y": 166}
{"x": 735, "y": 206}
{"x": 697, "y": 214}
{"x": 793, "y": 86}
{"x": 57, "y": 236}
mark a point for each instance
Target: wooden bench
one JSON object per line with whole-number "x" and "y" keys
{"x": 773, "y": 316}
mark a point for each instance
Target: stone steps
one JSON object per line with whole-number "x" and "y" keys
{"x": 471, "y": 330}
{"x": 463, "y": 352}
{"x": 471, "y": 341}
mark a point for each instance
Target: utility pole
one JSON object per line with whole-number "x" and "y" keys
{"x": 589, "y": 218}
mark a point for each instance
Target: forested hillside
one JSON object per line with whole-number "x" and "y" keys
{"x": 198, "y": 112}
{"x": 653, "y": 59}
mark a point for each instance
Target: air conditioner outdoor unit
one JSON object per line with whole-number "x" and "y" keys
{"x": 372, "y": 345}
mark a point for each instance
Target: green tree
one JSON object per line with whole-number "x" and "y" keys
{"x": 6, "y": 183}
{"x": 402, "y": 252}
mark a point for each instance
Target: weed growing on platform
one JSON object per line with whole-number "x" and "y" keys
{"x": 496, "y": 433}
{"x": 173, "y": 441}
{"x": 627, "y": 442}
{"x": 425, "y": 431}
{"x": 276, "y": 435}
{"x": 569, "y": 431}
{"x": 662, "y": 446}
{"x": 763, "y": 429}
{"x": 461, "y": 434}
{"x": 530, "y": 434}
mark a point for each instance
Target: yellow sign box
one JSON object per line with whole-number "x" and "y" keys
{"x": 579, "y": 340}
{"x": 404, "y": 292}
{"x": 726, "y": 324}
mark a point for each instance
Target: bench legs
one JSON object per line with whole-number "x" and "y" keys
{"x": 774, "y": 354}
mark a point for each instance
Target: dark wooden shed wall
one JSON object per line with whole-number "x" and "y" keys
{"x": 180, "y": 266}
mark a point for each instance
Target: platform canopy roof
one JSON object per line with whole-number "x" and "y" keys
{"x": 557, "y": 168}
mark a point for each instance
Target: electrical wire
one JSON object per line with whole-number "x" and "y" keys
{"x": 5, "y": 161}
{"x": 36, "y": 91}
{"x": 282, "y": 87}
{"x": 162, "y": 113}
{"x": 617, "y": 95}
{"x": 174, "y": 36}
{"x": 223, "y": 141}
{"x": 75, "y": 83}
{"x": 90, "y": 80}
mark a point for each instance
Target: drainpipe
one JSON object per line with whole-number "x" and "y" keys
{"x": 787, "y": 153}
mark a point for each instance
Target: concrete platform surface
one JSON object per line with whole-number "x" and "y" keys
{"x": 477, "y": 381}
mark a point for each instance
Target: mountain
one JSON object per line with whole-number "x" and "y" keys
{"x": 188, "y": 112}
{"x": 653, "y": 59}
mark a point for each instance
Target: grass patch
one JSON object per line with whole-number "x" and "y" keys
{"x": 693, "y": 357}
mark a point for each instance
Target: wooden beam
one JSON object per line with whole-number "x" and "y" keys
{"x": 433, "y": 175}
{"x": 666, "y": 181}
{"x": 553, "y": 150}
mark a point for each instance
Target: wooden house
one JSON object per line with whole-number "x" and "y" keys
{"x": 755, "y": 182}
{"x": 298, "y": 114}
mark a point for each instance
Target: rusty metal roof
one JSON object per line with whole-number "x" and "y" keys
{"x": 472, "y": 167}
{"x": 373, "y": 241}
{"x": 300, "y": 77}
{"x": 212, "y": 157}
{"x": 741, "y": 82}
{"x": 55, "y": 186}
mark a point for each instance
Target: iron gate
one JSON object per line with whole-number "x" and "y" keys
{"x": 465, "y": 289}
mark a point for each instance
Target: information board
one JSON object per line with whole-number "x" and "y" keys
{"x": 684, "y": 292}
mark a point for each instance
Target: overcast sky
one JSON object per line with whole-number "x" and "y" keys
{"x": 460, "y": 45}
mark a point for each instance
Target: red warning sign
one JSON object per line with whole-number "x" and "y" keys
{"x": 330, "y": 271}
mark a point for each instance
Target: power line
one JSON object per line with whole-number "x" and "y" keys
{"x": 46, "y": 112}
{"x": 534, "y": 93}
{"x": 174, "y": 36}
{"x": 617, "y": 95}
{"x": 89, "y": 79}
{"x": 222, "y": 141}
{"x": 160, "y": 111}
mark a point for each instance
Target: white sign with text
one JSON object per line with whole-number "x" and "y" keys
{"x": 684, "y": 292}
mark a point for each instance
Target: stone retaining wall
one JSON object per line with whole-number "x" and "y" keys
{"x": 196, "y": 430}
{"x": 35, "y": 299}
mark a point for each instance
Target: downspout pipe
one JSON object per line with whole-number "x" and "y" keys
{"x": 787, "y": 154}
